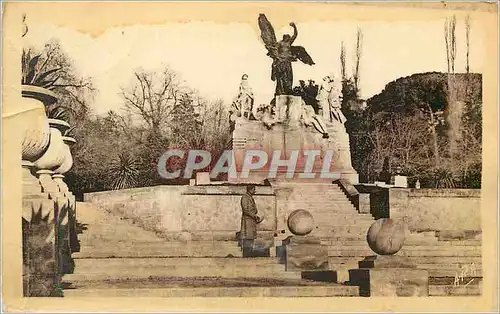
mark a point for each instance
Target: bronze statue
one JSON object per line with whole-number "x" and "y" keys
{"x": 283, "y": 54}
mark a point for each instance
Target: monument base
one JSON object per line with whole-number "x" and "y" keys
{"x": 284, "y": 139}
{"x": 389, "y": 276}
{"x": 305, "y": 253}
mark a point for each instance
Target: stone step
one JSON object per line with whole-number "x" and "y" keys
{"x": 329, "y": 221}
{"x": 146, "y": 270}
{"x": 350, "y": 253}
{"x": 278, "y": 291}
{"x": 200, "y": 236}
{"x": 359, "y": 244}
{"x": 428, "y": 253}
{"x": 216, "y": 249}
{"x": 342, "y": 232}
{"x": 329, "y": 238}
{"x": 437, "y": 260}
{"x": 446, "y": 259}
{"x": 442, "y": 248}
{"x": 317, "y": 195}
{"x": 334, "y": 223}
{"x": 321, "y": 204}
{"x": 99, "y": 263}
{"x": 435, "y": 242}
{"x": 455, "y": 290}
{"x": 343, "y": 270}
{"x": 444, "y": 271}
{"x": 459, "y": 266}
{"x": 324, "y": 210}
{"x": 125, "y": 243}
{"x": 351, "y": 222}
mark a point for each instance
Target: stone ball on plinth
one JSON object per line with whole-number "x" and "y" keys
{"x": 386, "y": 236}
{"x": 300, "y": 222}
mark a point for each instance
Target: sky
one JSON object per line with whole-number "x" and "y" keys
{"x": 212, "y": 57}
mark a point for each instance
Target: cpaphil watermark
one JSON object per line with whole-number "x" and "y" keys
{"x": 303, "y": 164}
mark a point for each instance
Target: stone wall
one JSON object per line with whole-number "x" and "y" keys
{"x": 437, "y": 209}
{"x": 171, "y": 209}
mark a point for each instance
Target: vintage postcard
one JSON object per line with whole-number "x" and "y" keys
{"x": 238, "y": 156}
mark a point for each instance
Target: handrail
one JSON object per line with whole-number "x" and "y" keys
{"x": 350, "y": 190}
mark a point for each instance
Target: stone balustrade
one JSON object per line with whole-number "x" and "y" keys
{"x": 49, "y": 208}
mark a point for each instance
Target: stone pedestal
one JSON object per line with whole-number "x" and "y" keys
{"x": 40, "y": 255}
{"x": 305, "y": 253}
{"x": 399, "y": 181}
{"x": 390, "y": 276}
{"x": 65, "y": 262}
{"x": 364, "y": 203}
{"x": 72, "y": 214}
{"x": 288, "y": 109}
{"x": 202, "y": 178}
{"x": 289, "y": 137}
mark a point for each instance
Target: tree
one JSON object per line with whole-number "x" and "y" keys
{"x": 454, "y": 109}
{"x": 357, "y": 59}
{"x": 152, "y": 97}
{"x": 407, "y": 125}
{"x": 75, "y": 94}
{"x": 343, "y": 69}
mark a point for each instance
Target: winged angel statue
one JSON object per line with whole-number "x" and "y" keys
{"x": 283, "y": 54}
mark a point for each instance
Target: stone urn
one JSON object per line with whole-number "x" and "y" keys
{"x": 35, "y": 131}
{"x": 53, "y": 157}
{"x": 66, "y": 155}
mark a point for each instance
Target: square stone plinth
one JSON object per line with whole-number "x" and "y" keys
{"x": 386, "y": 261}
{"x": 305, "y": 253}
{"x": 390, "y": 276}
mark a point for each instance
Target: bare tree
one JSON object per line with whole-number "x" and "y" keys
{"x": 432, "y": 123}
{"x": 152, "y": 97}
{"x": 467, "y": 43}
{"x": 359, "y": 46}
{"x": 454, "y": 108}
{"x": 450, "y": 41}
{"x": 343, "y": 69}
{"x": 74, "y": 91}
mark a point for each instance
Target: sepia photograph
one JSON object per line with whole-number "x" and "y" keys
{"x": 311, "y": 152}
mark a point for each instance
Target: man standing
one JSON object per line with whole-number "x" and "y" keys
{"x": 249, "y": 221}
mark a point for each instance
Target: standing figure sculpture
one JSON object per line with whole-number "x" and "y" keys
{"x": 330, "y": 100}
{"x": 335, "y": 101}
{"x": 322, "y": 97}
{"x": 249, "y": 221}
{"x": 246, "y": 99}
{"x": 283, "y": 54}
{"x": 243, "y": 104}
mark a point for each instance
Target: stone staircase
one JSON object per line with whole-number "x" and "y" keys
{"x": 343, "y": 229}
{"x": 118, "y": 258}
{"x": 334, "y": 215}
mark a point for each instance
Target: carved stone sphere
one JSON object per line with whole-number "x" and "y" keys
{"x": 386, "y": 236}
{"x": 300, "y": 222}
